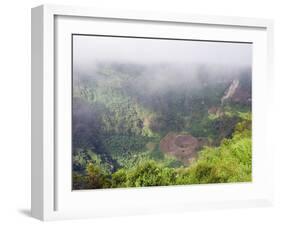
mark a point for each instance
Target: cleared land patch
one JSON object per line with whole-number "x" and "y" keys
{"x": 183, "y": 146}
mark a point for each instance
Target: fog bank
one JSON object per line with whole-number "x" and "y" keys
{"x": 90, "y": 50}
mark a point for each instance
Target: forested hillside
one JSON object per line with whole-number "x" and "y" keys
{"x": 161, "y": 124}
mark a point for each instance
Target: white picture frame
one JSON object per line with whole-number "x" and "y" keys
{"x": 52, "y": 197}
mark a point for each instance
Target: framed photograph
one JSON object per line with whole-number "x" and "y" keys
{"x": 136, "y": 113}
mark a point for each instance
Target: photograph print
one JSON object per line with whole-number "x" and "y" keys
{"x": 157, "y": 112}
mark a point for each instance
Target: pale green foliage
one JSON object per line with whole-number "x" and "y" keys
{"x": 230, "y": 162}
{"x": 149, "y": 173}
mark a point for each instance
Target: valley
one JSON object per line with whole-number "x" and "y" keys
{"x": 161, "y": 124}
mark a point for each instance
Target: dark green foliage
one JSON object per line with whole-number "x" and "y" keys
{"x": 230, "y": 162}
{"x": 96, "y": 177}
{"x": 79, "y": 181}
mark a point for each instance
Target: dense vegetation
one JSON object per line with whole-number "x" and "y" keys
{"x": 121, "y": 112}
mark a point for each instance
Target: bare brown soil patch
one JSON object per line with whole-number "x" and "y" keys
{"x": 183, "y": 146}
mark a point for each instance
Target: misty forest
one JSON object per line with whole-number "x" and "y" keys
{"x": 163, "y": 119}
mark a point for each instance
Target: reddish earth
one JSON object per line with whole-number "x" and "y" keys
{"x": 241, "y": 96}
{"x": 237, "y": 94}
{"x": 182, "y": 146}
{"x": 215, "y": 111}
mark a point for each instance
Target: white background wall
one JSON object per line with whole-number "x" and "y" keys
{"x": 15, "y": 111}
